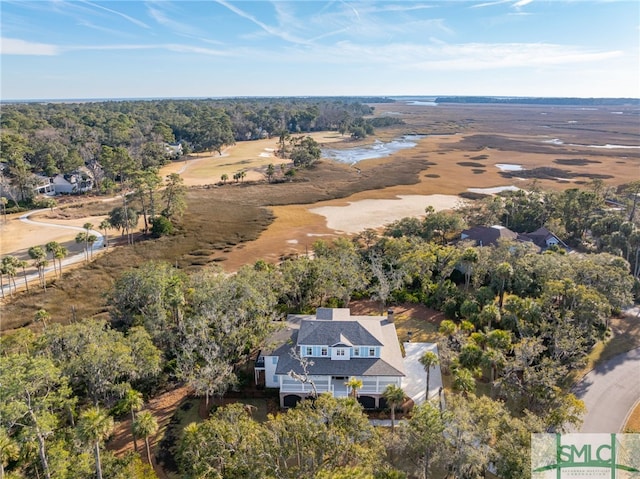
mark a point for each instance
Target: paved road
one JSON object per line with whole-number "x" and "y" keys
{"x": 76, "y": 258}
{"x": 610, "y": 391}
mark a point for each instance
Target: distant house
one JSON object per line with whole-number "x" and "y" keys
{"x": 336, "y": 347}
{"x": 43, "y": 185}
{"x": 70, "y": 184}
{"x": 174, "y": 150}
{"x": 490, "y": 235}
{"x": 542, "y": 238}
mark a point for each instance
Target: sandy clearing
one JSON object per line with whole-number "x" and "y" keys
{"x": 16, "y": 235}
{"x": 374, "y": 213}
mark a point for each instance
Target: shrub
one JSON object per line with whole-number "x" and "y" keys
{"x": 161, "y": 226}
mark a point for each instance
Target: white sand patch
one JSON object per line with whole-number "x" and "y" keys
{"x": 360, "y": 215}
{"x": 292, "y": 241}
{"x": 265, "y": 155}
{"x": 494, "y": 190}
{"x": 509, "y": 167}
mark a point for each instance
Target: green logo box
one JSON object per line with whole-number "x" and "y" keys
{"x": 588, "y": 456}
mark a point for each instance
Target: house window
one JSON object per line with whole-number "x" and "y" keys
{"x": 309, "y": 351}
{"x": 356, "y": 351}
{"x": 274, "y": 360}
{"x": 340, "y": 352}
{"x": 372, "y": 352}
{"x": 324, "y": 351}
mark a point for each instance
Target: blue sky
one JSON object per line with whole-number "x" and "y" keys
{"x": 121, "y": 49}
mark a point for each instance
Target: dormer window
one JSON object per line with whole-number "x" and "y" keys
{"x": 356, "y": 352}
{"x": 324, "y": 351}
{"x": 309, "y": 351}
{"x": 340, "y": 352}
{"x": 372, "y": 352}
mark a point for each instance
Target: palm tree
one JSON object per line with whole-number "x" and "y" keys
{"x": 144, "y": 426}
{"x": 39, "y": 257}
{"x": 51, "y": 247}
{"x": 503, "y": 272}
{"x": 60, "y": 254}
{"x": 224, "y": 178}
{"x": 270, "y": 172}
{"x": 394, "y": 396}
{"x": 133, "y": 401}
{"x": 90, "y": 240}
{"x": 428, "y": 360}
{"x": 463, "y": 381}
{"x": 105, "y": 224}
{"x": 469, "y": 258}
{"x": 87, "y": 233}
{"x": 354, "y": 384}
{"x": 9, "y": 267}
{"x": 94, "y": 426}
{"x": 41, "y": 316}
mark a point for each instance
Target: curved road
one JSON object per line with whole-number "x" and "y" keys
{"x": 609, "y": 392}
{"x": 76, "y": 258}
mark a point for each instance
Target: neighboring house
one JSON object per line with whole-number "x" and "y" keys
{"x": 336, "y": 347}
{"x": 542, "y": 238}
{"x": 174, "y": 150}
{"x": 43, "y": 185}
{"x": 490, "y": 235}
{"x": 73, "y": 183}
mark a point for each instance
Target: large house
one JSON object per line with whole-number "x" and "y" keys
{"x": 323, "y": 351}
{"x": 490, "y": 235}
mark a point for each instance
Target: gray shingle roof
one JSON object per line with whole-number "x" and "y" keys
{"x": 327, "y": 367}
{"x": 329, "y": 332}
{"x": 356, "y": 330}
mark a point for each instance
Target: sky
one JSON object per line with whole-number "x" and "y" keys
{"x": 62, "y": 49}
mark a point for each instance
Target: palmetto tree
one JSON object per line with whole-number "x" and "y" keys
{"x": 39, "y": 257}
{"x": 105, "y": 224}
{"x": 428, "y": 360}
{"x": 133, "y": 401}
{"x": 94, "y": 426}
{"x": 394, "y": 396}
{"x": 9, "y": 267}
{"x": 354, "y": 384}
{"x": 51, "y": 247}
{"x": 42, "y": 316}
{"x": 144, "y": 426}
{"x": 60, "y": 253}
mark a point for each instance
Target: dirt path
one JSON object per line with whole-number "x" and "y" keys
{"x": 163, "y": 408}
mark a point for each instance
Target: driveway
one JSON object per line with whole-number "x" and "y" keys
{"x": 609, "y": 392}
{"x": 415, "y": 382}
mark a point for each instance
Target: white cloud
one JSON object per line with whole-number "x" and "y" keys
{"x": 15, "y": 46}
{"x": 274, "y": 31}
{"x": 135, "y": 21}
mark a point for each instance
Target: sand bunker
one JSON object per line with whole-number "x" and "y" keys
{"x": 360, "y": 215}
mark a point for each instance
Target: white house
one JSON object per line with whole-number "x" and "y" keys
{"x": 73, "y": 183}
{"x": 335, "y": 346}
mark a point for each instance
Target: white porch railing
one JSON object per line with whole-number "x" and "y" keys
{"x": 336, "y": 386}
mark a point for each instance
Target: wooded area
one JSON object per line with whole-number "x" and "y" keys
{"x": 519, "y": 322}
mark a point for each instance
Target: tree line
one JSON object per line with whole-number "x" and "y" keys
{"x": 114, "y": 140}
